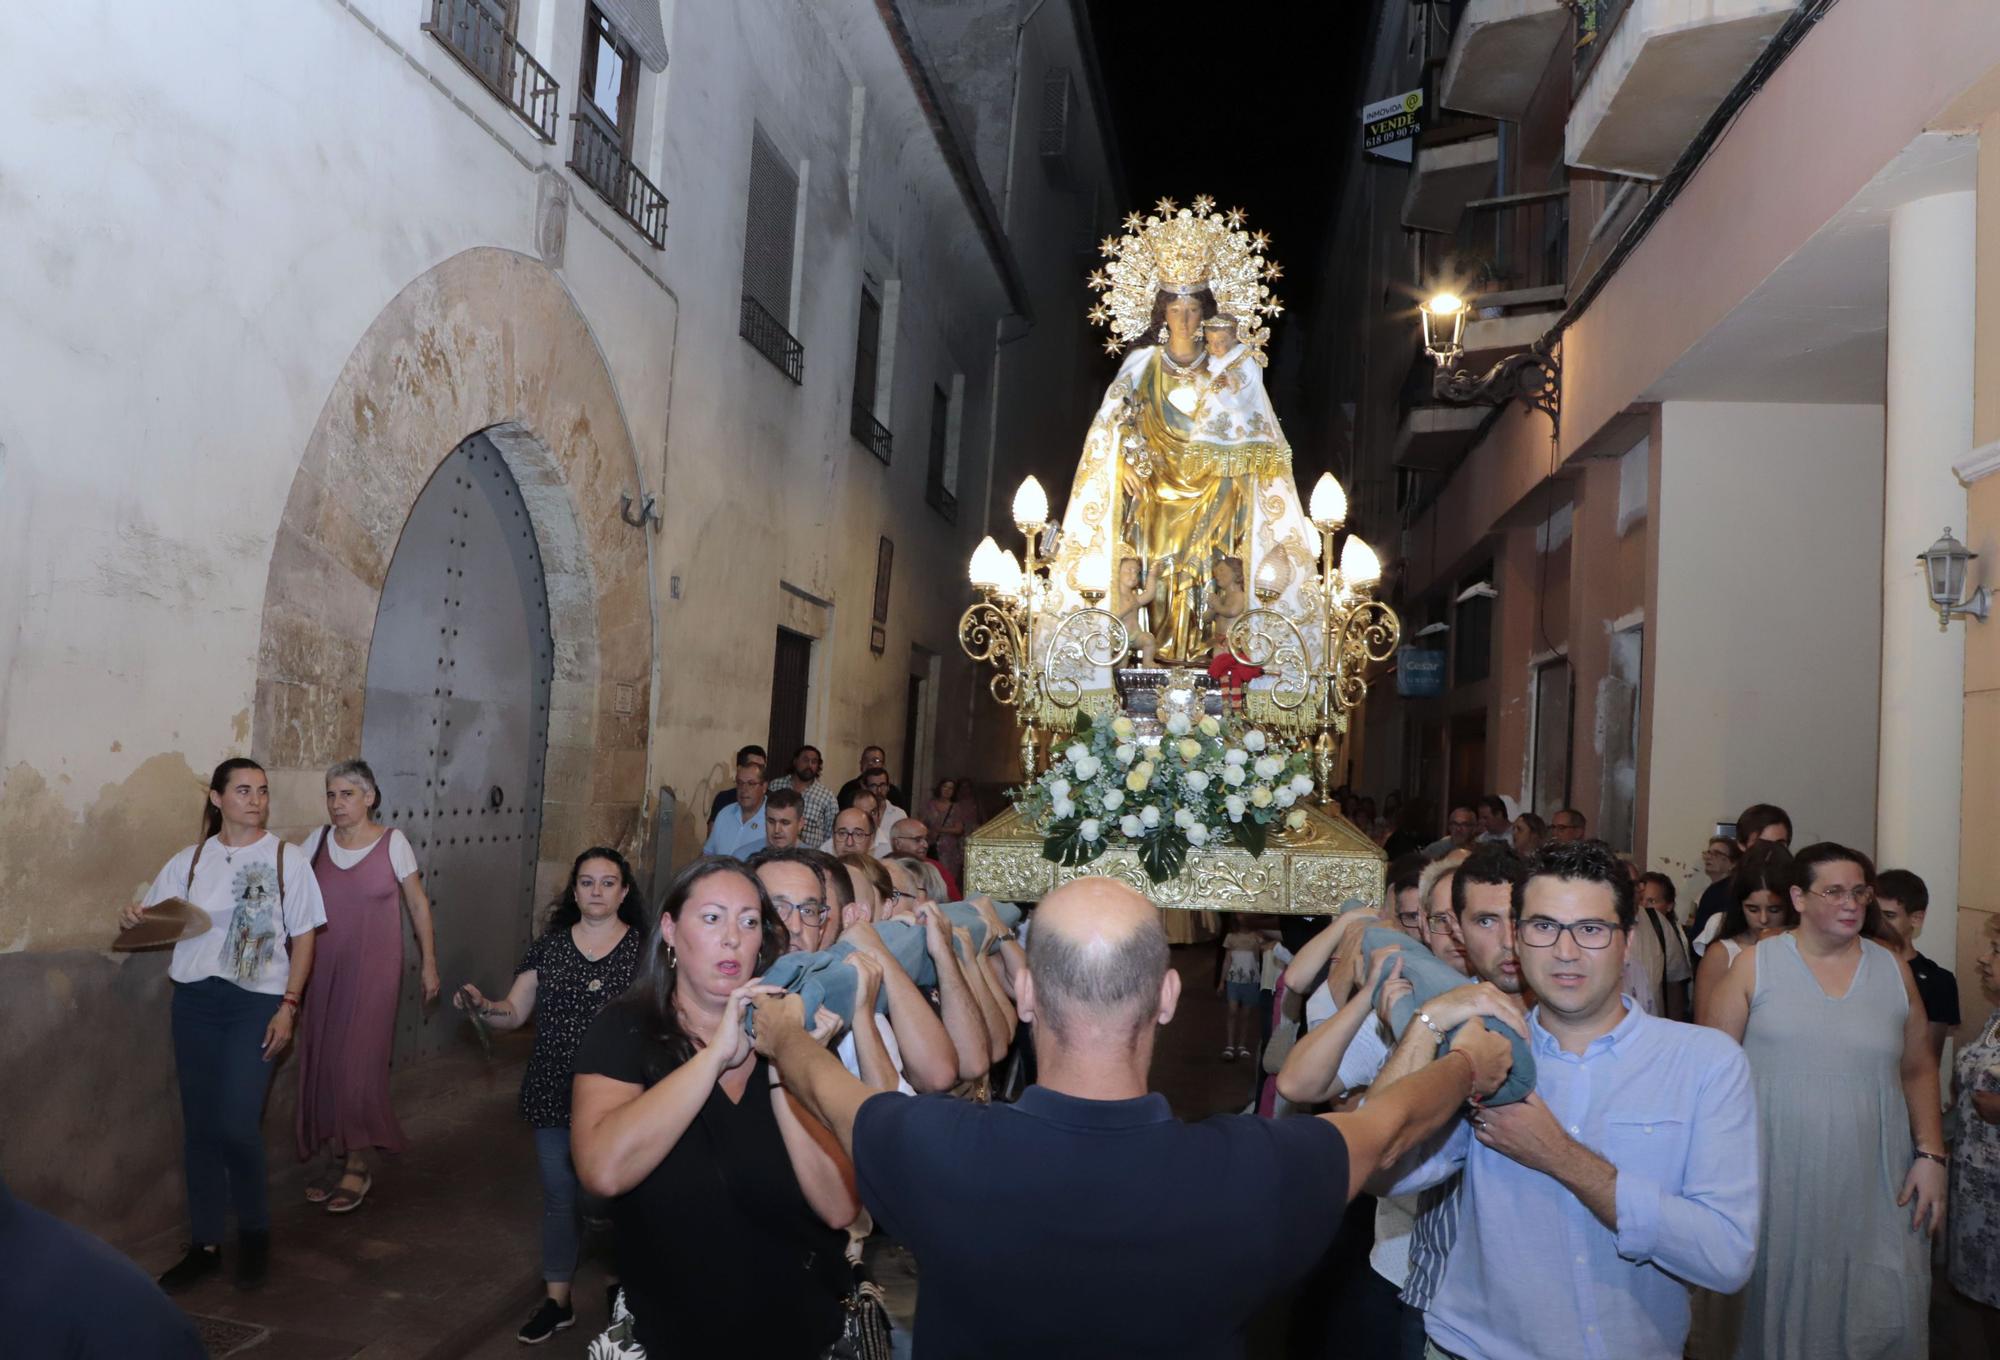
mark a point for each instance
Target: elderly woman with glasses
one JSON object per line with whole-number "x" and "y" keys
{"x": 1849, "y": 1135}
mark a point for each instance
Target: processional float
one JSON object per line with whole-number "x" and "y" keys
{"x": 1185, "y": 645}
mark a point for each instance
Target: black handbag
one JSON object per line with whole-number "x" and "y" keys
{"x": 864, "y": 1324}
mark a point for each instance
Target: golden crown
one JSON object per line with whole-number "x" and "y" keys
{"x": 1182, "y": 250}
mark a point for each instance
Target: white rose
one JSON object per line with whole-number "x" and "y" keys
{"x": 1197, "y": 834}
{"x": 1197, "y": 780}
{"x": 1236, "y": 758}
{"x": 1059, "y": 790}
{"x": 1178, "y": 725}
{"x": 1149, "y": 816}
{"x": 1132, "y": 827}
{"x": 1296, "y": 819}
{"x": 1114, "y": 800}
{"x": 1260, "y": 796}
{"x": 1077, "y": 752}
{"x": 1183, "y": 818}
{"x": 1284, "y": 797}
{"x": 1232, "y": 775}
{"x": 1302, "y": 784}
{"x": 1268, "y": 767}
{"x": 1088, "y": 766}
{"x": 1235, "y": 806}
{"x": 1253, "y": 740}
{"x": 1064, "y": 808}
{"x": 1090, "y": 829}
{"x": 1126, "y": 753}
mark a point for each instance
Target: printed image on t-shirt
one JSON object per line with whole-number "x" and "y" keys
{"x": 253, "y": 925}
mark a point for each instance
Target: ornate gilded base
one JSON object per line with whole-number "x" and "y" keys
{"x": 1306, "y": 873}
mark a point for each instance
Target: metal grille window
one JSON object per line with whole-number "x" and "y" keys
{"x": 791, "y": 678}
{"x": 872, "y": 433}
{"x": 1549, "y": 787}
{"x": 769, "y": 234}
{"x": 939, "y": 493}
{"x": 480, "y": 34}
{"x": 1058, "y": 113}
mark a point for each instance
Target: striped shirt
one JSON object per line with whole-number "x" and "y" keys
{"x": 1430, "y": 1242}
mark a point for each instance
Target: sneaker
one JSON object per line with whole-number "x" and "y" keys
{"x": 202, "y": 1260}
{"x": 548, "y": 1319}
{"x": 253, "y": 1258}
{"x": 611, "y": 1300}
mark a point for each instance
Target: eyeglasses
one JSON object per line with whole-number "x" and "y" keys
{"x": 1441, "y": 921}
{"x": 1840, "y": 894}
{"x": 856, "y": 835}
{"x": 1457, "y": 825}
{"x": 811, "y": 909}
{"x": 1542, "y": 933}
{"x": 1409, "y": 919}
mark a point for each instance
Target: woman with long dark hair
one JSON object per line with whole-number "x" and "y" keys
{"x": 729, "y": 1199}
{"x": 1849, "y": 1135}
{"x": 585, "y": 958}
{"x": 367, "y": 875}
{"x": 237, "y": 987}
{"x": 1760, "y": 904}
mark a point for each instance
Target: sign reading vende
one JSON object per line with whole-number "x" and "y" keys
{"x": 1389, "y": 127}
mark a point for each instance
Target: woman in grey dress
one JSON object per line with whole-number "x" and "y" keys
{"x": 1850, "y": 1139}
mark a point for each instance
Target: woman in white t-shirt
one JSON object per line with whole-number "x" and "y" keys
{"x": 236, "y": 996}
{"x": 367, "y": 877}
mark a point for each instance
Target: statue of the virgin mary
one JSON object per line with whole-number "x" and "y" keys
{"x": 1184, "y": 494}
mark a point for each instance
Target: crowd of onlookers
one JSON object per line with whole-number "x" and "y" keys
{"x": 1537, "y": 1102}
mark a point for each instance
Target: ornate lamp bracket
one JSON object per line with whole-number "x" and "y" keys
{"x": 1531, "y": 377}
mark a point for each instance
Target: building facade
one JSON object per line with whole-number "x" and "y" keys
{"x": 540, "y": 398}
{"x": 1750, "y": 236}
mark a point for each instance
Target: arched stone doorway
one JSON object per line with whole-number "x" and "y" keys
{"x": 487, "y": 342}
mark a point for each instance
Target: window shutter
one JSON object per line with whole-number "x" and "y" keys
{"x": 767, "y": 237}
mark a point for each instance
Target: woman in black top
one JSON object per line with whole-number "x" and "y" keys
{"x": 729, "y": 1198}
{"x": 585, "y": 959}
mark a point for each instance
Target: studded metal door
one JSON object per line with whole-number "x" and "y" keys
{"x": 456, "y": 724}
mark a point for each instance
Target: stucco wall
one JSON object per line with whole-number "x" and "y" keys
{"x": 1767, "y": 620}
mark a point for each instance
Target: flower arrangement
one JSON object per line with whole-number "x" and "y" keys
{"x": 1204, "y": 784}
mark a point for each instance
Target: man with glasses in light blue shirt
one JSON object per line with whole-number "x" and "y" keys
{"x": 1630, "y": 1173}
{"x": 739, "y": 828}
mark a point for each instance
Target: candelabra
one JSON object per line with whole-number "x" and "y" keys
{"x": 1015, "y": 625}
{"x": 1354, "y": 630}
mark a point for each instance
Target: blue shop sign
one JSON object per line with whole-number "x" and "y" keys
{"x": 1420, "y": 673}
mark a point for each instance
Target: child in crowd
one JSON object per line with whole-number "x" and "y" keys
{"x": 1242, "y": 979}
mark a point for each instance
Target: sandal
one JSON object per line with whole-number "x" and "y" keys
{"x": 346, "y": 1201}
{"x": 320, "y": 1183}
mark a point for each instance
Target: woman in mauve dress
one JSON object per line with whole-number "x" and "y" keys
{"x": 367, "y": 876}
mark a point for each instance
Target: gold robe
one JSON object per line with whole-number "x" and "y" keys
{"x": 1182, "y": 503}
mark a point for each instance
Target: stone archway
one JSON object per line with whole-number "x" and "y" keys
{"x": 488, "y": 340}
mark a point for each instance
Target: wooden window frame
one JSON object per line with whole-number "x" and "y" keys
{"x": 624, "y": 120}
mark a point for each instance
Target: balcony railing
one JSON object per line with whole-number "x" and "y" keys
{"x": 602, "y": 164}
{"x": 1443, "y": 126}
{"x": 1506, "y": 245}
{"x": 481, "y": 43}
{"x": 941, "y": 498}
{"x": 1594, "y": 21}
{"x": 872, "y": 433}
{"x": 768, "y": 336}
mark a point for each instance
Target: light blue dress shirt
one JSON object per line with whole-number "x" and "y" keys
{"x": 1534, "y": 1275}
{"x": 735, "y": 835}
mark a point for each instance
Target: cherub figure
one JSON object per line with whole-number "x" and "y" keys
{"x": 1133, "y": 591}
{"x": 1227, "y": 599}
{"x": 1226, "y": 352}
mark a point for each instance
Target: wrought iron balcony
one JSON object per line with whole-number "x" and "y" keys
{"x": 940, "y": 498}
{"x": 872, "y": 433}
{"x": 483, "y": 46}
{"x": 602, "y": 164}
{"x": 1505, "y": 251}
{"x": 768, "y": 336}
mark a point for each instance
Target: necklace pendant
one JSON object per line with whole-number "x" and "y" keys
{"x": 595, "y": 985}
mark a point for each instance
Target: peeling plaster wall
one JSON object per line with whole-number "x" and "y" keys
{"x": 279, "y": 259}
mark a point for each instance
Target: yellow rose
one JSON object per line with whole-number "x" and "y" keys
{"x": 1260, "y": 797}
{"x": 1210, "y": 727}
{"x": 1135, "y": 779}
{"x": 1189, "y": 748}
{"x": 1295, "y": 819}
{"x": 1121, "y": 727}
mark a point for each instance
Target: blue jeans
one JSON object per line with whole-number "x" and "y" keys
{"x": 566, "y": 1205}
{"x": 218, "y": 1031}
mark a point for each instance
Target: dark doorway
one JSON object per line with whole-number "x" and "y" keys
{"x": 456, "y": 723}
{"x": 791, "y": 679}
{"x": 913, "y": 717}
{"x": 1468, "y": 758}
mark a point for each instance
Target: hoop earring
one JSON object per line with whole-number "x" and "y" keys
{"x": 673, "y": 961}
{"x": 1162, "y": 335}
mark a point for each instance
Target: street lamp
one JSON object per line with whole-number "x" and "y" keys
{"x": 1945, "y": 563}
{"x": 1530, "y": 377}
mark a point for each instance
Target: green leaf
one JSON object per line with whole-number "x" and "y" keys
{"x": 1066, "y": 846}
{"x": 1083, "y": 724}
{"x": 1162, "y": 854}
{"x": 1251, "y": 833}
